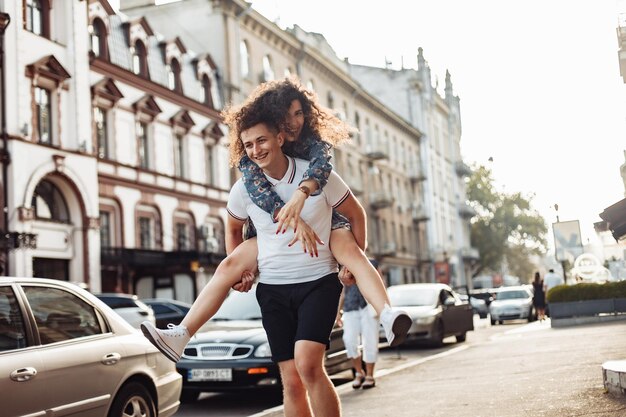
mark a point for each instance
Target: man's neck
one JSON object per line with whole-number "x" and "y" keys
{"x": 277, "y": 170}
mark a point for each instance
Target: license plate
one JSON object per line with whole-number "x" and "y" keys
{"x": 216, "y": 374}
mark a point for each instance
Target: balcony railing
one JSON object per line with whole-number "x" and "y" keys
{"x": 470, "y": 253}
{"x": 377, "y": 150}
{"x": 425, "y": 255}
{"x": 156, "y": 258}
{"x": 419, "y": 214}
{"x": 466, "y": 211}
{"x": 417, "y": 173}
{"x": 386, "y": 249}
{"x": 462, "y": 169}
{"x": 381, "y": 199}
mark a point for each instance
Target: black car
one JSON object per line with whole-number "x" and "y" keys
{"x": 231, "y": 352}
{"x": 167, "y": 311}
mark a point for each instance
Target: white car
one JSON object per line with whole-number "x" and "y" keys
{"x": 64, "y": 352}
{"x": 512, "y": 303}
{"x": 130, "y": 307}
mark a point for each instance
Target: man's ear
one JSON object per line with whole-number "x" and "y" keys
{"x": 281, "y": 138}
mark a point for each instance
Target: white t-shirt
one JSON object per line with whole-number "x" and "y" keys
{"x": 277, "y": 262}
{"x": 551, "y": 280}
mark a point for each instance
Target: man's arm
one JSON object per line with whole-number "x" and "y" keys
{"x": 233, "y": 234}
{"x": 355, "y": 213}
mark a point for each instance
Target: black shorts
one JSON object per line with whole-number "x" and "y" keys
{"x": 293, "y": 312}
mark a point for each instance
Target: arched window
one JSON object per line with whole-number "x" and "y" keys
{"x": 206, "y": 96}
{"x": 244, "y": 59}
{"x": 49, "y": 204}
{"x": 140, "y": 60}
{"x": 97, "y": 35}
{"x": 268, "y": 71}
{"x": 174, "y": 76}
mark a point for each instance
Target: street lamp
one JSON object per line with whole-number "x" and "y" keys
{"x": 5, "y": 157}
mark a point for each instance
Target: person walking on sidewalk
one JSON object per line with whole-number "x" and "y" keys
{"x": 539, "y": 297}
{"x": 360, "y": 326}
{"x": 302, "y": 122}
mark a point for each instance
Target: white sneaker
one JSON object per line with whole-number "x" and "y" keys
{"x": 171, "y": 342}
{"x": 396, "y": 324}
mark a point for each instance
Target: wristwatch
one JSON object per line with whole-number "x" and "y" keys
{"x": 306, "y": 190}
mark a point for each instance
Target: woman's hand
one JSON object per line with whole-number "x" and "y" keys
{"x": 290, "y": 213}
{"x": 247, "y": 280}
{"x": 346, "y": 277}
{"x": 307, "y": 237}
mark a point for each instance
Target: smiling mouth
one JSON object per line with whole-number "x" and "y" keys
{"x": 260, "y": 157}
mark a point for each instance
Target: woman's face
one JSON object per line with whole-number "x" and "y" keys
{"x": 294, "y": 121}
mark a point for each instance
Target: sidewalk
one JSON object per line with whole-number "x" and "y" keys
{"x": 529, "y": 371}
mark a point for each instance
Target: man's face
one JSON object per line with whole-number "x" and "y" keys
{"x": 262, "y": 145}
{"x": 294, "y": 121}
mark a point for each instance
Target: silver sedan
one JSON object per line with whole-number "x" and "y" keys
{"x": 65, "y": 352}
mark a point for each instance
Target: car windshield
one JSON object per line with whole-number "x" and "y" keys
{"x": 239, "y": 306}
{"x": 510, "y": 295}
{"x": 413, "y": 296}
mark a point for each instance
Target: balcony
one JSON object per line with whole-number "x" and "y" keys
{"x": 381, "y": 199}
{"x": 466, "y": 211}
{"x": 470, "y": 254}
{"x": 425, "y": 255}
{"x": 462, "y": 169}
{"x": 417, "y": 173}
{"x": 386, "y": 249}
{"x": 156, "y": 258}
{"x": 377, "y": 150}
{"x": 355, "y": 184}
{"x": 419, "y": 214}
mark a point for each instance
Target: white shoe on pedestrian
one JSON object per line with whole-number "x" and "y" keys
{"x": 396, "y": 324}
{"x": 171, "y": 341}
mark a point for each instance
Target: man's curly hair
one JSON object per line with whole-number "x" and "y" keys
{"x": 269, "y": 103}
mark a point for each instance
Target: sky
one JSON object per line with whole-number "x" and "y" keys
{"x": 539, "y": 82}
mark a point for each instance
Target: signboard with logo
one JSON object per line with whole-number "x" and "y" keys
{"x": 567, "y": 241}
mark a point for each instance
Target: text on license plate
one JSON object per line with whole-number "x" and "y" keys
{"x": 211, "y": 374}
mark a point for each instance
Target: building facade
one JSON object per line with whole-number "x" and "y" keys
{"x": 115, "y": 178}
{"x": 380, "y": 162}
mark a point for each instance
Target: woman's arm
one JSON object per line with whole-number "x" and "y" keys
{"x": 259, "y": 188}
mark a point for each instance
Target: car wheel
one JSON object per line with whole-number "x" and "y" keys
{"x": 493, "y": 322}
{"x": 437, "y": 338}
{"x": 133, "y": 400}
{"x": 189, "y": 396}
{"x": 500, "y": 321}
{"x": 461, "y": 337}
{"x": 532, "y": 315}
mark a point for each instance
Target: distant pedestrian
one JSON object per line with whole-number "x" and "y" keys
{"x": 539, "y": 297}
{"x": 552, "y": 279}
{"x": 360, "y": 326}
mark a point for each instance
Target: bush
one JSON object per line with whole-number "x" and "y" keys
{"x": 585, "y": 291}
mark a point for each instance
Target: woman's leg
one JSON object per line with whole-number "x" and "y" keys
{"x": 227, "y": 274}
{"x": 347, "y": 252}
{"x": 172, "y": 341}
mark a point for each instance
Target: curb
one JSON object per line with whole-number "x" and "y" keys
{"x": 614, "y": 377}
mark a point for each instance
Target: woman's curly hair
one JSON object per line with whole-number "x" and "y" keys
{"x": 270, "y": 102}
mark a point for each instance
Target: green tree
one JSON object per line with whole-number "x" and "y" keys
{"x": 505, "y": 229}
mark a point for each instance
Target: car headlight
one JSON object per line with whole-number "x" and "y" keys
{"x": 263, "y": 351}
{"x": 425, "y": 320}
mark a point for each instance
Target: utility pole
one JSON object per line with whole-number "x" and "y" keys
{"x": 562, "y": 261}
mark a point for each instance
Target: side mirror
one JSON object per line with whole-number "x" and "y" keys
{"x": 450, "y": 301}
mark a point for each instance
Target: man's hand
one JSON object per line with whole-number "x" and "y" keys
{"x": 289, "y": 215}
{"x": 309, "y": 239}
{"x": 247, "y": 280}
{"x": 346, "y": 277}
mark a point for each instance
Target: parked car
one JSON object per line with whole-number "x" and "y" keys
{"x": 512, "y": 303}
{"x": 129, "y": 307}
{"x": 478, "y": 306}
{"x": 231, "y": 351}
{"x": 65, "y": 352}
{"x": 436, "y": 310}
{"x": 487, "y": 295}
{"x": 167, "y": 311}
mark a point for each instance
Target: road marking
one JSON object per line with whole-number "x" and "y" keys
{"x": 347, "y": 387}
{"x": 535, "y": 326}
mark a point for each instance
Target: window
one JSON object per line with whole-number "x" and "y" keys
{"x": 100, "y": 119}
{"x": 140, "y": 60}
{"x": 105, "y": 229}
{"x": 206, "y": 95}
{"x": 98, "y": 40}
{"x": 52, "y": 268}
{"x": 36, "y": 17}
{"x": 210, "y": 176}
{"x": 61, "y": 315}
{"x": 173, "y": 76}
{"x": 49, "y": 204}
{"x": 143, "y": 149}
{"x": 268, "y": 71}
{"x": 310, "y": 86}
{"x": 179, "y": 156}
{"x": 11, "y": 323}
{"x": 43, "y": 104}
{"x": 146, "y": 233}
{"x": 287, "y": 72}
{"x": 331, "y": 100}
{"x": 182, "y": 236}
{"x": 244, "y": 59}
